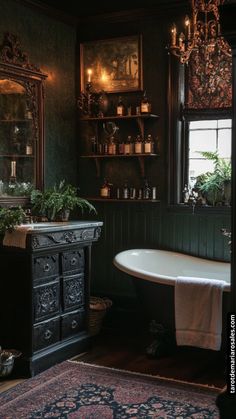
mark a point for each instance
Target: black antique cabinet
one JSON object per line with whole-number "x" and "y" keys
{"x": 45, "y": 294}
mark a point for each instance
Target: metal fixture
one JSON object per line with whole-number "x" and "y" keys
{"x": 202, "y": 33}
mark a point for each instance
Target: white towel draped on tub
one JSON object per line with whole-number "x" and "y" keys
{"x": 198, "y": 312}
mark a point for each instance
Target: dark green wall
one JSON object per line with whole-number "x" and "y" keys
{"x": 50, "y": 45}
{"x": 131, "y": 225}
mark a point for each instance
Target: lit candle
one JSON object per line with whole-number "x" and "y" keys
{"x": 89, "y": 71}
{"x": 13, "y": 168}
{"x": 173, "y": 35}
{"x": 187, "y": 25}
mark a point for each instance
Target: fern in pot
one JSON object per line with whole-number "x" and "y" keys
{"x": 57, "y": 202}
{"x": 216, "y": 185}
{"x": 10, "y": 218}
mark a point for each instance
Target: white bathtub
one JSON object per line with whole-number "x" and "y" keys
{"x": 164, "y": 267}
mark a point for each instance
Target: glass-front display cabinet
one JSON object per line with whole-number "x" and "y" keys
{"x": 21, "y": 124}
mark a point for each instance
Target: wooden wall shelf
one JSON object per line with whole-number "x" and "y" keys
{"x": 138, "y": 201}
{"x": 108, "y": 118}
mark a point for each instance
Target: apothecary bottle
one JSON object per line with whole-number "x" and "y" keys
{"x": 145, "y": 105}
{"x": 148, "y": 145}
{"x": 105, "y": 190}
{"x": 127, "y": 145}
{"x": 112, "y": 146}
{"x": 138, "y": 146}
{"x": 29, "y": 148}
{"x": 125, "y": 191}
{"x": 120, "y": 108}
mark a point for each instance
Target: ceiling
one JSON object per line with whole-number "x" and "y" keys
{"x": 85, "y": 9}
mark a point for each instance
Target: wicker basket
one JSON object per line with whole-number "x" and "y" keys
{"x": 97, "y": 310}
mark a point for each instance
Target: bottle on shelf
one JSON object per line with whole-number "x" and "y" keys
{"x": 105, "y": 148}
{"x": 146, "y": 190}
{"x": 29, "y": 147}
{"x": 112, "y": 146}
{"x": 121, "y": 147}
{"x": 125, "y": 191}
{"x": 28, "y": 113}
{"x": 105, "y": 190}
{"x": 127, "y": 145}
{"x": 132, "y": 194}
{"x": 154, "y": 192}
{"x": 129, "y": 110}
{"x": 148, "y": 145}
{"x": 138, "y": 146}
{"x": 145, "y": 105}
{"x": 94, "y": 145}
{"x": 120, "y": 108}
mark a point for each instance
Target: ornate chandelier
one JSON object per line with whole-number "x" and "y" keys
{"x": 202, "y": 33}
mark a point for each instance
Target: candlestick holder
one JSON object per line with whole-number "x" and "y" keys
{"x": 92, "y": 103}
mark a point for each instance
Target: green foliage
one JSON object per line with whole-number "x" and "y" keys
{"x": 18, "y": 189}
{"x": 10, "y": 218}
{"x": 212, "y": 183}
{"x": 51, "y": 202}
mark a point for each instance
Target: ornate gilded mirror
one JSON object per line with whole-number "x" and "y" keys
{"x": 21, "y": 124}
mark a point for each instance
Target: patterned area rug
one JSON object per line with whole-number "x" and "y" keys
{"x": 73, "y": 390}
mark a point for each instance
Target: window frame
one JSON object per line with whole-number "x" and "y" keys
{"x": 178, "y": 129}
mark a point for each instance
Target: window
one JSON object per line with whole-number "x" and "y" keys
{"x": 207, "y": 135}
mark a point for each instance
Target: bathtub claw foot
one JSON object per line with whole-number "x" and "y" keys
{"x": 164, "y": 343}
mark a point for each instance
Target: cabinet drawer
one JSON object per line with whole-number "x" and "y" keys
{"x": 73, "y": 291}
{"x": 46, "y": 266}
{"x": 73, "y": 261}
{"x": 46, "y": 334}
{"x": 72, "y": 323}
{"x": 46, "y": 300}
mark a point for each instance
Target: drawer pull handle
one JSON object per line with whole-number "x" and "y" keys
{"x": 46, "y": 267}
{"x": 47, "y": 334}
{"x": 74, "y": 324}
{"x": 73, "y": 261}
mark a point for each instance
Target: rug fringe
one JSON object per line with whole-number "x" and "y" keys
{"x": 140, "y": 374}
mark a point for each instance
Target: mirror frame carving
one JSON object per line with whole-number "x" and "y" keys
{"x": 15, "y": 65}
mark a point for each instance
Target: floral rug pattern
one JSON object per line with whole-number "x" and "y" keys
{"x": 73, "y": 390}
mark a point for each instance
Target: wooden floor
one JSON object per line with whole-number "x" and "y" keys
{"x": 128, "y": 353}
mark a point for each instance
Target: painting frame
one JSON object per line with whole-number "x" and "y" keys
{"x": 115, "y": 64}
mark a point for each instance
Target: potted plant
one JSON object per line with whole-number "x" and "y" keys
{"x": 10, "y": 218}
{"x": 216, "y": 185}
{"x": 57, "y": 202}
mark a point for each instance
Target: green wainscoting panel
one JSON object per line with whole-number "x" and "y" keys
{"x": 126, "y": 226}
{"x": 134, "y": 225}
{"x": 198, "y": 234}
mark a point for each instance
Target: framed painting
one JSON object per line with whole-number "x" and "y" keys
{"x": 113, "y": 65}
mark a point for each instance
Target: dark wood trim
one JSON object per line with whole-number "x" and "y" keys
{"x": 15, "y": 65}
{"x": 182, "y": 208}
{"x": 196, "y": 114}
{"x": 175, "y": 130}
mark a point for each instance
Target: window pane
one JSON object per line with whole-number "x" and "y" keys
{"x": 201, "y": 141}
{"x": 224, "y": 123}
{"x": 197, "y": 167}
{"x": 224, "y": 143}
{"x": 203, "y": 124}
{"x": 213, "y": 135}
